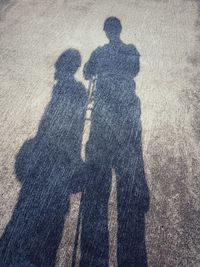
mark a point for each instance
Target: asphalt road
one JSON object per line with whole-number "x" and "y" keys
{"x": 33, "y": 34}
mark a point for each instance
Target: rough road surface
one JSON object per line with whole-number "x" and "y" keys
{"x": 33, "y": 34}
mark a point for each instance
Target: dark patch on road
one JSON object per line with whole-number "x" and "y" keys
{"x": 5, "y": 6}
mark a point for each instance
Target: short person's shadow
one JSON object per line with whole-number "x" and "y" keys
{"x": 114, "y": 144}
{"x": 49, "y": 168}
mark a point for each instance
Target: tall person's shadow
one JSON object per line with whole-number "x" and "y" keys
{"x": 114, "y": 143}
{"x": 49, "y": 168}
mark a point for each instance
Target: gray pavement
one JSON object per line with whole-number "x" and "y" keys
{"x": 33, "y": 34}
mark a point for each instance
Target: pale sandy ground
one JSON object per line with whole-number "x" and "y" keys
{"x": 32, "y": 36}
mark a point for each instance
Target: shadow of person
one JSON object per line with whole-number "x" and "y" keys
{"x": 48, "y": 167}
{"x": 114, "y": 144}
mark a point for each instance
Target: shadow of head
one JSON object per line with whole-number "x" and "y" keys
{"x": 67, "y": 64}
{"x": 112, "y": 28}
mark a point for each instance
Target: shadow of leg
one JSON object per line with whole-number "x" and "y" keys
{"x": 95, "y": 235}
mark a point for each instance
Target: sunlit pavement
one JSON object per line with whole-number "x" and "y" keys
{"x": 35, "y": 33}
